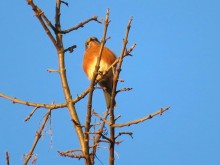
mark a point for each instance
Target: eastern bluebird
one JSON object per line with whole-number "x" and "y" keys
{"x": 92, "y": 48}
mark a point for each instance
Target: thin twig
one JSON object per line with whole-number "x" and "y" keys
{"x": 71, "y": 153}
{"x": 130, "y": 50}
{"x": 123, "y": 90}
{"x": 97, "y": 138}
{"x": 81, "y": 24}
{"x": 37, "y": 137}
{"x": 52, "y": 70}
{"x": 79, "y": 156}
{"x": 70, "y": 49}
{"x": 92, "y": 125}
{"x": 124, "y": 133}
{"x": 117, "y": 117}
{"x": 48, "y": 22}
{"x": 32, "y": 112}
{"x": 101, "y": 118}
{"x": 160, "y": 112}
{"x": 66, "y": 3}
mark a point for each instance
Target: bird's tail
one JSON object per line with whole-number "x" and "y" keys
{"x": 108, "y": 99}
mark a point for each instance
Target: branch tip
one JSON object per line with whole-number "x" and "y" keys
{"x": 65, "y": 3}
{"x": 70, "y": 49}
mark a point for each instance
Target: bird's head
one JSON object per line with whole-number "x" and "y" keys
{"x": 91, "y": 39}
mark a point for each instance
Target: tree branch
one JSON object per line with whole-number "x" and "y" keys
{"x": 160, "y": 112}
{"x": 66, "y": 154}
{"x": 92, "y": 84}
{"x": 124, "y": 133}
{"x": 97, "y": 139}
{"x": 123, "y": 90}
{"x": 70, "y": 49}
{"x": 39, "y": 14}
{"x": 65, "y": 3}
{"x": 32, "y": 112}
{"x": 115, "y": 81}
{"x": 65, "y": 86}
{"x": 81, "y": 24}
{"x": 32, "y": 104}
{"x": 37, "y": 137}
{"x": 101, "y": 118}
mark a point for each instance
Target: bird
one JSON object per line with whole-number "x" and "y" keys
{"x": 92, "y": 48}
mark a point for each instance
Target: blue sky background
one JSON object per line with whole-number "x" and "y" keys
{"x": 176, "y": 62}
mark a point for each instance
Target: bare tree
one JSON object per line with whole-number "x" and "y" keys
{"x": 89, "y": 139}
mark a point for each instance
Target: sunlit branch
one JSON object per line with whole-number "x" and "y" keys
{"x": 39, "y": 13}
{"x": 92, "y": 84}
{"x": 37, "y": 137}
{"x": 160, "y": 112}
{"x": 32, "y": 112}
{"x": 39, "y": 105}
{"x": 81, "y": 24}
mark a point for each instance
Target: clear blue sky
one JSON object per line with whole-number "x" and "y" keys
{"x": 176, "y": 62}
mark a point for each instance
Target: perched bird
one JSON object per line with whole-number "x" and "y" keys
{"x": 92, "y": 48}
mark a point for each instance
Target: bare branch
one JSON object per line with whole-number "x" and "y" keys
{"x": 79, "y": 156}
{"x": 87, "y": 136}
{"x": 52, "y": 70}
{"x": 32, "y": 112}
{"x": 72, "y": 151}
{"x": 48, "y": 22}
{"x": 115, "y": 82}
{"x": 101, "y": 118}
{"x": 70, "y": 49}
{"x": 160, "y": 112}
{"x": 101, "y": 134}
{"x": 81, "y": 24}
{"x": 97, "y": 138}
{"x": 123, "y": 90}
{"x": 39, "y": 15}
{"x": 124, "y": 133}
{"x": 65, "y": 85}
{"x": 130, "y": 50}
{"x": 93, "y": 125}
{"x": 66, "y": 3}
{"x": 76, "y": 153}
{"x": 37, "y": 137}
{"x": 92, "y": 84}
{"x": 39, "y": 105}
{"x": 117, "y": 117}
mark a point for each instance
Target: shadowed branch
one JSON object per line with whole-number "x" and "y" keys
{"x": 7, "y": 158}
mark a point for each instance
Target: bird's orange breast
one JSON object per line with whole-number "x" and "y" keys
{"x": 90, "y": 59}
